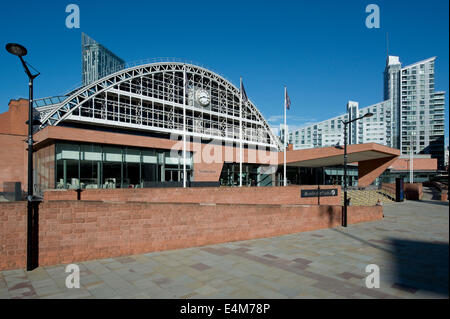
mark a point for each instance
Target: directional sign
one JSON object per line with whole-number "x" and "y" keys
{"x": 315, "y": 192}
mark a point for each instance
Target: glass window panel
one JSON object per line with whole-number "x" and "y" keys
{"x": 71, "y": 174}
{"x": 131, "y": 167}
{"x": 91, "y": 153}
{"x": 149, "y": 173}
{"x": 67, "y": 166}
{"x": 188, "y": 159}
{"x": 90, "y": 166}
{"x": 172, "y": 160}
{"x": 112, "y": 154}
{"x": 132, "y": 155}
{"x": 68, "y": 151}
{"x": 60, "y": 174}
{"x": 149, "y": 156}
{"x": 112, "y": 167}
{"x": 160, "y": 157}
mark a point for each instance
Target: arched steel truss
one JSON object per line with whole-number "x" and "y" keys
{"x": 150, "y": 97}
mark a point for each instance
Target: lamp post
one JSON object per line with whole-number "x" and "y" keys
{"x": 21, "y": 51}
{"x": 344, "y": 219}
{"x": 411, "y": 157}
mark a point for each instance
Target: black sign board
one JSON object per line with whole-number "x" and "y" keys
{"x": 315, "y": 192}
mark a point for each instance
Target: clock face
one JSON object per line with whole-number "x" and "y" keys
{"x": 202, "y": 97}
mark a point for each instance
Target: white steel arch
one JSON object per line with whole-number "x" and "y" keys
{"x": 150, "y": 97}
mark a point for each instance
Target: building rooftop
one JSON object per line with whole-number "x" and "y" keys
{"x": 419, "y": 62}
{"x": 393, "y": 60}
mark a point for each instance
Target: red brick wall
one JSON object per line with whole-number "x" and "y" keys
{"x": 13, "y": 121}
{"x": 13, "y": 235}
{"x": 13, "y": 133}
{"x": 369, "y": 170}
{"x": 412, "y": 191}
{"x": 204, "y": 172}
{"x": 72, "y": 231}
{"x": 389, "y": 188}
{"x": 418, "y": 164}
{"x": 13, "y": 159}
{"x": 219, "y": 195}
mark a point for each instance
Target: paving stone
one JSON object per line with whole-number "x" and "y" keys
{"x": 407, "y": 245}
{"x": 205, "y": 290}
{"x": 47, "y": 290}
{"x": 4, "y": 294}
{"x": 200, "y": 266}
{"x": 14, "y": 272}
{"x": 43, "y": 283}
{"x": 271, "y": 294}
{"x": 89, "y": 280}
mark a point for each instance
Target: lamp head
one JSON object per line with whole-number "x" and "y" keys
{"x": 16, "y": 49}
{"x": 368, "y": 114}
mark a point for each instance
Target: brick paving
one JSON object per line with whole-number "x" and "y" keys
{"x": 410, "y": 245}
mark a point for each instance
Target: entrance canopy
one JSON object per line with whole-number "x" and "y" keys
{"x": 372, "y": 159}
{"x": 330, "y": 156}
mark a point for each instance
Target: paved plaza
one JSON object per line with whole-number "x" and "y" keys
{"x": 410, "y": 245}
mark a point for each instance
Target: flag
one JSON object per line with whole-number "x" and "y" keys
{"x": 243, "y": 94}
{"x": 288, "y": 101}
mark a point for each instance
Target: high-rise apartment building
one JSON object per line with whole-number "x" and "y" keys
{"x": 330, "y": 132}
{"x": 421, "y": 111}
{"x": 411, "y": 117}
{"x": 391, "y": 93}
{"x": 282, "y": 131}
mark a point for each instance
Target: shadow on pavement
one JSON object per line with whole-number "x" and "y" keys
{"x": 365, "y": 242}
{"x": 421, "y": 265}
{"x": 435, "y": 202}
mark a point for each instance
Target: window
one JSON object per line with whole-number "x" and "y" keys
{"x": 90, "y": 163}
{"x": 112, "y": 167}
{"x": 104, "y": 166}
{"x": 131, "y": 168}
{"x": 67, "y": 168}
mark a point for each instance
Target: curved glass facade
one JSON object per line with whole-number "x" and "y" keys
{"x": 166, "y": 98}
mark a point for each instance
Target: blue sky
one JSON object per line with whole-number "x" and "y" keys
{"x": 321, "y": 50}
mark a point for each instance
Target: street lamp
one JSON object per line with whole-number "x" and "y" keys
{"x": 21, "y": 51}
{"x": 411, "y": 157}
{"x": 344, "y": 219}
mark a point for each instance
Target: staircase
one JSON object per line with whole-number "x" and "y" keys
{"x": 367, "y": 197}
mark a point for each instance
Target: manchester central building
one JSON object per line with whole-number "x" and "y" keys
{"x": 138, "y": 126}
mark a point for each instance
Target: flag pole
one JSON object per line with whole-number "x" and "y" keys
{"x": 184, "y": 126}
{"x": 240, "y": 136}
{"x": 284, "y": 139}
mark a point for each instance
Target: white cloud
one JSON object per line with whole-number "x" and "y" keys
{"x": 294, "y": 122}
